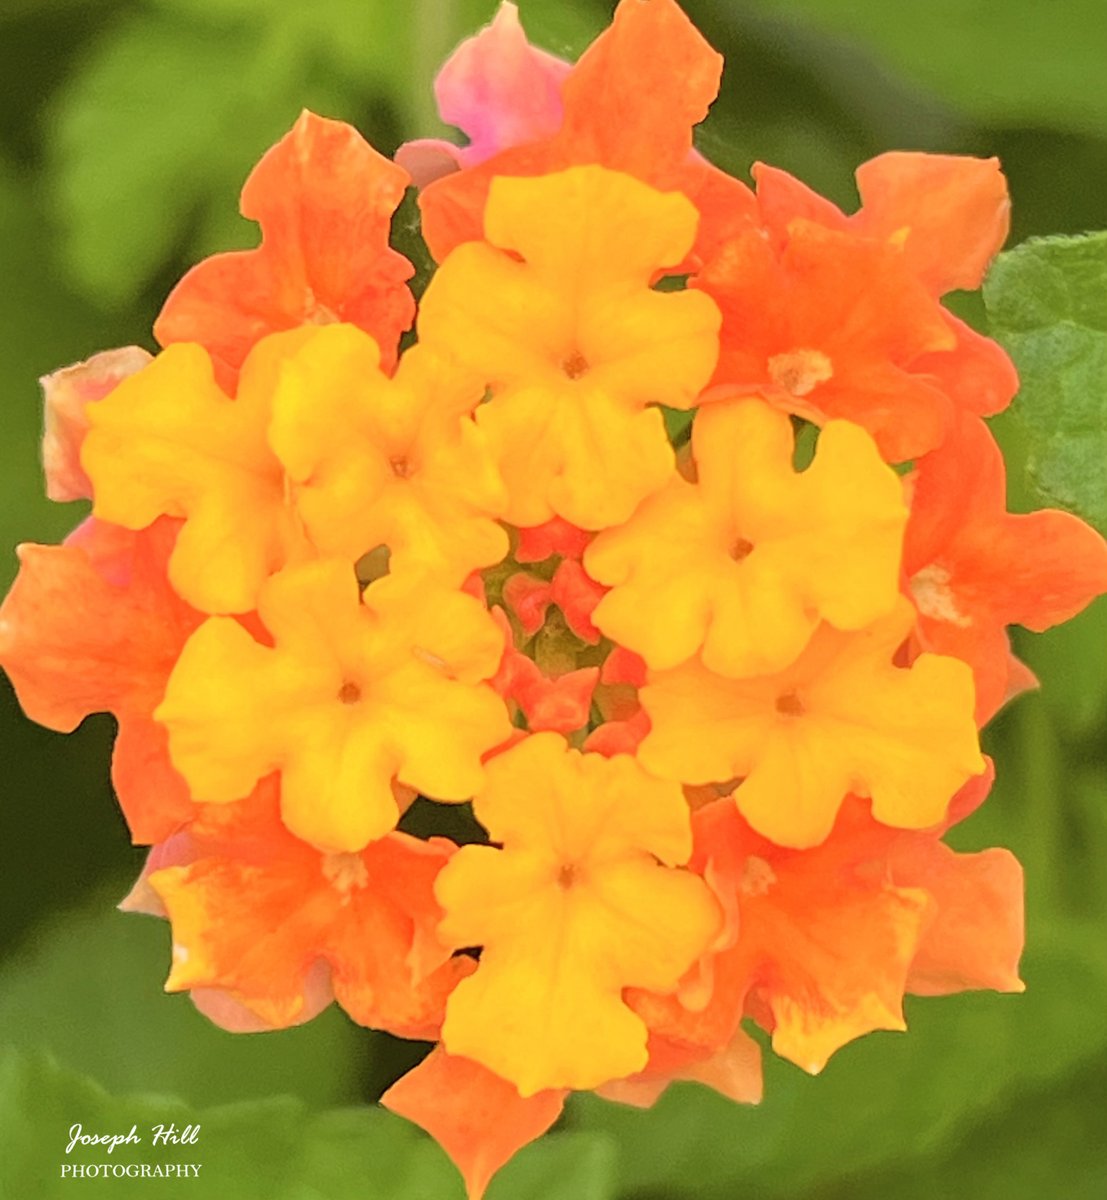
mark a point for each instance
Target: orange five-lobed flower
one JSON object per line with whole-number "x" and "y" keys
{"x": 714, "y": 699}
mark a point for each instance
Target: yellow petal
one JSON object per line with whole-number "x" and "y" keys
{"x": 574, "y": 453}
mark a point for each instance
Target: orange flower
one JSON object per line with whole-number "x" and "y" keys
{"x": 830, "y": 324}
{"x": 324, "y": 199}
{"x": 93, "y": 626}
{"x": 946, "y": 216}
{"x": 974, "y": 568}
{"x": 253, "y": 910}
{"x": 949, "y": 213}
{"x": 826, "y": 941}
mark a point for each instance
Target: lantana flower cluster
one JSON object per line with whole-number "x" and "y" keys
{"x": 667, "y": 533}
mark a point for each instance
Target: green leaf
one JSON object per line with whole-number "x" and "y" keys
{"x": 140, "y": 135}
{"x": 1005, "y": 63}
{"x": 1047, "y": 303}
{"x": 370, "y": 41}
{"x": 88, "y": 988}
{"x": 271, "y": 1149}
{"x": 562, "y": 1166}
{"x": 17, "y": 10}
{"x": 155, "y": 134}
{"x": 1046, "y": 1142}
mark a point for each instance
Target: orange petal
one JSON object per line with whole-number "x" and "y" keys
{"x": 951, "y": 212}
{"x": 324, "y": 199}
{"x": 830, "y": 324}
{"x": 306, "y": 907}
{"x": 976, "y": 373}
{"x": 976, "y": 935}
{"x": 94, "y": 626}
{"x": 974, "y": 568}
{"x": 65, "y": 394}
{"x": 479, "y": 1119}
{"x": 556, "y": 536}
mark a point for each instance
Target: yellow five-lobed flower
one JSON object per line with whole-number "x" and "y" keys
{"x": 583, "y": 900}
{"x": 744, "y": 563}
{"x": 353, "y": 694}
{"x": 556, "y": 314}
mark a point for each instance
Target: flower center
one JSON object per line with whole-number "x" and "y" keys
{"x": 401, "y": 467}
{"x": 935, "y": 598}
{"x": 800, "y": 372}
{"x": 345, "y": 871}
{"x": 349, "y": 692}
{"x": 757, "y": 877}
{"x": 566, "y": 876}
{"x": 742, "y": 548}
{"x": 575, "y": 365}
{"x": 790, "y": 705}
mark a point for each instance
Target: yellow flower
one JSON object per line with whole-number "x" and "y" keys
{"x": 394, "y": 462}
{"x": 351, "y": 696}
{"x": 574, "y": 908}
{"x": 556, "y": 315}
{"x": 745, "y": 562}
{"x": 169, "y": 441}
{"x": 841, "y": 719}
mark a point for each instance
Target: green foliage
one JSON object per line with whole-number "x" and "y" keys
{"x": 886, "y": 1098}
{"x": 562, "y": 1166}
{"x": 1004, "y": 61}
{"x": 155, "y": 135}
{"x": 1047, "y": 303}
{"x": 44, "y": 327}
{"x": 88, "y": 990}
{"x": 266, "y": 1149}
{"x": 271, "y": 1149}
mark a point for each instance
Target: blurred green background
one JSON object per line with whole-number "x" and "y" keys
{"x": 126, "y": 129}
